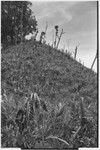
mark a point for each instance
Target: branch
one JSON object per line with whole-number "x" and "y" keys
{"x": 55, "y": 137}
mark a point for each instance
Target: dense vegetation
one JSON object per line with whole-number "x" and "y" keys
{"x": 17, "y": 21}
{"x": 67, "y": 91}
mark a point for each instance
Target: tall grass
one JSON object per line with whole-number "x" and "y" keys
{"x": 59, "y": 126}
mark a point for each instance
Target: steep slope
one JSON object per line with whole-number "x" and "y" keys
{"x": 56, "y": 76}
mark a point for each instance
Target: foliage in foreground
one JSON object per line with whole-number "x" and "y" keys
{"x": 59, "y": 126}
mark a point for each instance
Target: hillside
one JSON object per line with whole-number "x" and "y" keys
{"x": 58, "y": 78}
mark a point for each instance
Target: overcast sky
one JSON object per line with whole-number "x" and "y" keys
{"x": 79, "y": 21}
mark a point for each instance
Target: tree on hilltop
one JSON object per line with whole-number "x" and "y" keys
{"x": 16, "y": 20}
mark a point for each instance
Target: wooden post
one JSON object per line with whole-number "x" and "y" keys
{"x": 94, "y": 61}
{"x": 76, "y": 51}
{"x": 56, "y": 35}
{"x": 55, "y": 41}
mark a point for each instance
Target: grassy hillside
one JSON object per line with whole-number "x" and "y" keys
{"x": 57, "y": 79}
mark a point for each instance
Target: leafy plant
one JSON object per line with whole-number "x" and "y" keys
{"x": 16, "y": 21}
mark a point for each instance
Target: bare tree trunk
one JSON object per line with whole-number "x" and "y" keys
{"x": 94, "y": 61}
{"x": 55, "y": 41}
{"x": 56, "y": 36}
{"x": 75, "y": 53}
{"x": 60, "y": 37}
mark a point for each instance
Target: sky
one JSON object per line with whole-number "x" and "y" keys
{"x": 78, "y": 20}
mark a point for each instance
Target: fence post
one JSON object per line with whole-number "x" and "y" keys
{"x": 94, "y": 61}
{"x": 76, "y": 51}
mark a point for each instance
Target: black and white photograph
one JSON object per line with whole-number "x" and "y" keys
{"x": 49, "y": 74}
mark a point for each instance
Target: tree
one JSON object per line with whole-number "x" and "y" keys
{"x": 17, "y": 20}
